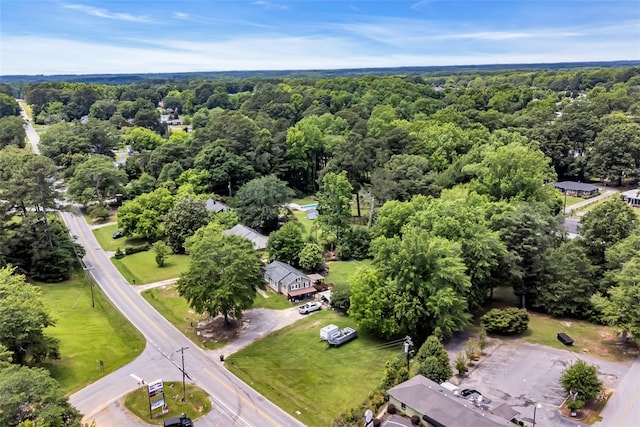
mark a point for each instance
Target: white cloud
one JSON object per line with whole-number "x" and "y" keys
{"x": 104, "y": 13}
{"x": 40, "y": 55}
{"x": 270, "y": 5}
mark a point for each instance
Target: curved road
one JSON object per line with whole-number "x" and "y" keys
{"x": 234, "y": 402}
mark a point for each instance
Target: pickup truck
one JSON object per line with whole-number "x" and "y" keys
{"x": 309, "y": 307}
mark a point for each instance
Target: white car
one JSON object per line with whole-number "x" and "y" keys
{"x": 309, "y": 307}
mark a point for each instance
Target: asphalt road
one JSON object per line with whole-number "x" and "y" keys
{"x": 234, "y": 402}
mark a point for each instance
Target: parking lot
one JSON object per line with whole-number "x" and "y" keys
{"x": 523, "y": 374}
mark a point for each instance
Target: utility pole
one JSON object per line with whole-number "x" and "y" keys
{"x": 184, "y": 374}
{"x": 407, "y": 349}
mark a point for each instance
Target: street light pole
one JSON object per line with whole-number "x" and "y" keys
{"x": 184, "y": 386}
{"x": 535, "y": 408}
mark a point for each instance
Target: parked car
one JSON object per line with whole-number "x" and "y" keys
{"x": 118, "y": 234}
{"x": 309, "y": 307}
{"x": 183, "y": 421}
{"x": 474, "y": 396}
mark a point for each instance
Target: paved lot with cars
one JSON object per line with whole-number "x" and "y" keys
{"x": 523, "y": 374}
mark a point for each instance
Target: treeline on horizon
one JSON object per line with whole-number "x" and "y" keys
{"x": 433, "y": 71}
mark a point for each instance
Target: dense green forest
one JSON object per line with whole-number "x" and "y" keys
{"x": 453, "y": 171}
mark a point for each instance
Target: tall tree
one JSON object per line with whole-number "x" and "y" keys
{"x": 418, "y": 284}
{"x": 286, "y": 244}
{"x": 96, "y": 180}
{"x": 334, "y": 204}
{"x": 605, "y": 225}
{"x": 528, "y": 232}
{"x": 616, "y": 152}
{"x": 12, "y": 132}
{"x": 23, "y": 318}
{"x": 620, "y": 307}
{"x": 31, "y": 395}
{"x": 403, "y": 177}
{"x": 8, "y": 106}
{"x": 582, "y": 379}
{"x": 185, "y": 217}
{"x": 259, "y": 201}
{"x": 223, "y": 274}
{"x": 142, "y": 216}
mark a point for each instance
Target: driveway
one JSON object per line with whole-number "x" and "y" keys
{"x": 523, "y": 374}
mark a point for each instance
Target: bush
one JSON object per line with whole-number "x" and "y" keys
{"x": 391, "y": 409}
{"x": 582, "y": 379}
{"x": 509, "y": 321}
{"x": 130, "y": 250}
{"x": 119, "y": 254}
{"x": 415, "y": 420}
{"x": 574, "y": 405}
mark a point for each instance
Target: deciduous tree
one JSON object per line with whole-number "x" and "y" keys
{"x": 311, "y": 257}
{"x": 223, "y": 273}
{"x": 30, "y": 395}
{"x": 182, "y": 220}
{"x": 12, "y": 132}
{"x": 334, "y": 204}
{"x": 95, "y": 180}
{"x": 23, "y": 318}
{"x": 286, "y": 244}
{"x": 582, "y": 379}
{"x": 259, "y": 201}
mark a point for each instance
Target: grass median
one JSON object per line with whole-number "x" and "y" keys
{"x": 87, "y": 334}
{"x": 295, "y": 370}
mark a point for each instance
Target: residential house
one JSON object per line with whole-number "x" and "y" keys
{"x": 287, "y": 280}
{"x": 216, "y": 206}
{"x": 440, "y": 407}
{"x": 259, "y": 240}
{"x": 579, "y": 189}
{"x": 631, "y": 197}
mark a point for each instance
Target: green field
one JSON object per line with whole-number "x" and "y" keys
{"x": 601, "y": 341}
{"x": 176, "y": 310}
{"x": 274, "y": 302}
{"x": 141, "y": 267}
{"x": 87, "y": 334}
{"x": 296, "y": 371}
{"x": 340, "y": 271}
{"x": 108, "y": 243}
{"x": 197, "y": 402}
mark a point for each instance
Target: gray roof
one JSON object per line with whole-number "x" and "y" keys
{"x": 631, "y": 194}
{"x": 575, "y": 186}
{"x": 440, "y": 405}
{"x": 259, "y": 240}
{"x": 283, "y": 273}
{"x": 214, "y": 205}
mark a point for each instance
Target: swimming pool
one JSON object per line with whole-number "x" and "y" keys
{"x": 307, "y": 207}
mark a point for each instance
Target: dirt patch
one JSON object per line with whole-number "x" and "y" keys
{"x": 214, "y": 329}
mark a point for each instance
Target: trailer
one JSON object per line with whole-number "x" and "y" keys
{"x": 327, "y": 331}
{"x": 342, "y": 336}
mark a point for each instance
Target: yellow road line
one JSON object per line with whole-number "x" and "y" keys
{"x": 241, "y": 397}
{"x": 118, "y": 288}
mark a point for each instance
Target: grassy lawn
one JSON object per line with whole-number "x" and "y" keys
{"x": 197, "y": 402}
{"x": 592, "y": 205}
{"x": 275, "y": 301}
{"x": 141, "y": 268}
{"x": 87, "y": 334}
{"x": 340, "y": 271}
{"x": 295, "y": 370}
{"x": 108, "y": 243}
{"x": 308, "y": 226}
{"x": 601, "y": 341}
{"x": 176, "y": 310}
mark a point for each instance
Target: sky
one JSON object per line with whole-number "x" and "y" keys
{"x": 151, "y": 36}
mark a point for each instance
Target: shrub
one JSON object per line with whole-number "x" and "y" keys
{"x": 461, "y": 364}
{"x": 119, "y": 254}
{"x": 415, "y": 420}
{"x": 582, "y": 379}
{"x": 509, "y": 321}
{"x": 391, "y": 409}
{"x": 130, "y": 250}
{"x": 575, "y": 404}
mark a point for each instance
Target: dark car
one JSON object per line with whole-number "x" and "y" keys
{"x": 118, "y": 234}
{"x": 183, "y": 421}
